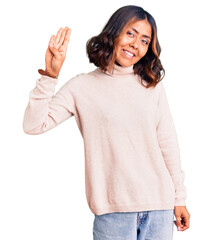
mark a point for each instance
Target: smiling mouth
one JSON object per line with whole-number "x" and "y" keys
{"x": 128, "y": 54}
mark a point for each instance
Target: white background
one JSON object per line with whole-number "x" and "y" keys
{"x": 42, "y": 190}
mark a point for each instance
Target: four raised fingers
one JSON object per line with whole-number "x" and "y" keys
{"x": 62, "y": 38}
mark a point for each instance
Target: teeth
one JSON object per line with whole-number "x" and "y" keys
{"x": 130, "y": 54}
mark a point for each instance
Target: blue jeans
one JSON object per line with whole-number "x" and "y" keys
{"x": 145, "y": 225}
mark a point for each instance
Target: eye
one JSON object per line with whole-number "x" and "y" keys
{"x": 144, "y": 41}
{"x": 130, "y": 33}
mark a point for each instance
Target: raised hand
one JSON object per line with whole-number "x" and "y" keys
{"x": 56, "y": 52}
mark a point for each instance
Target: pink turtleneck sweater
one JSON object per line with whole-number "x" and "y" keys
{"x": 132, "y": 157}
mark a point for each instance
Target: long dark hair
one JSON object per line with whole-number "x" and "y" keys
{"x": 100, "y": 48}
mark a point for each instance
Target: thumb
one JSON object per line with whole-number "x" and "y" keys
{"x": 54, "y": 51}
{"x": 178, "y": 223}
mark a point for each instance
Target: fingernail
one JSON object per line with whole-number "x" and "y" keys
{"x": 51, "y": 45}
{"x": 178, "y": 228}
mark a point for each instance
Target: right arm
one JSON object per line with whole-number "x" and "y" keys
{"x": 46, "y": 110}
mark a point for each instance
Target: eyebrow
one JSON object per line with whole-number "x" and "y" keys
{"x": 138, "y": 32}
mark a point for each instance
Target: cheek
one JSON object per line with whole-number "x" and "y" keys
{"x": 143, "y": 51}
{"x": 123, "y": 42}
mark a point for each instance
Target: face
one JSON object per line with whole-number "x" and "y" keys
{"x": 133, "y": 43}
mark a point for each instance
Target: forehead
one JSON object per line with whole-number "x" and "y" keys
{"x": 142, "y": 26}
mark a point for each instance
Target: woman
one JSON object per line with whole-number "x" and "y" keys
{"x": 134, "y": 181}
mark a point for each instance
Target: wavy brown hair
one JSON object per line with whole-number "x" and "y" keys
{"x": 100, "y": 48}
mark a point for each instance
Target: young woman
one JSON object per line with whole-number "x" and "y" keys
{"x": 134, "y": 180}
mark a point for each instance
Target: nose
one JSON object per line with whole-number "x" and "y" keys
{"x": 134, "y": 43}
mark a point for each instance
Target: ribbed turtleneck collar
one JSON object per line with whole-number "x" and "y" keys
{"x": 119, "y": 71}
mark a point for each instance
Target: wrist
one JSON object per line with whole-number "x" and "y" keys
{"x": 46, "y": 73}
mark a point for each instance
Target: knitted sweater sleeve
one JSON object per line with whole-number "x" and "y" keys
{"x": 168, "y": 143}
{"x": 46, "y": 110}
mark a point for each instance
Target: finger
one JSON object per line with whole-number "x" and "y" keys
{"x": 186, "y": 221}
{"x": 67, "y": 38}
{"x": 178, "y": 223}
{"x": 52, "y": 40}
{"x": 178, "y": 227}
{"x": 55, "y": 52}
{"x": 49, "y": 56}
{"x": 57, "y": 39}
{"x": 185, "y": 226}
{"x": 62, "y": 36}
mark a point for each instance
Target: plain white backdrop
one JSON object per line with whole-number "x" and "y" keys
{"x": 42, "y": 184}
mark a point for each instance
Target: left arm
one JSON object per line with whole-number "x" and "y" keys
{"x": 168, "y": 142}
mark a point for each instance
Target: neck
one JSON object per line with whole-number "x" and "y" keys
{"x": 119, "y": 71}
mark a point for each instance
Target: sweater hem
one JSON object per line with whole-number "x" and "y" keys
{"x": 137, "y": 208}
